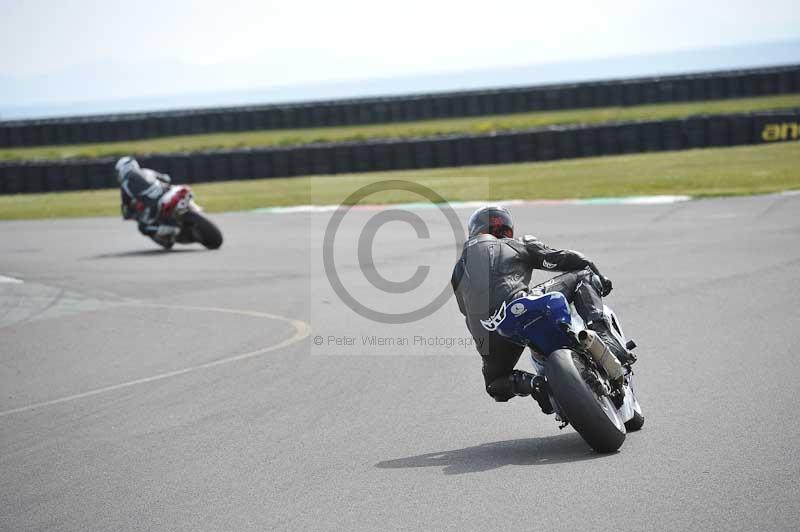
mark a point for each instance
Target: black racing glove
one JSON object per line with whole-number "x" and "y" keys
{"x": 608, "y": 286}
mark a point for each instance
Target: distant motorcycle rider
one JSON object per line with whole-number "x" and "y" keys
{"x": 494, "y": 268}
{"x": 140, "y": 190}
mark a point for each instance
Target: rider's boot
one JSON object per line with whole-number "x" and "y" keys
{"x": 164, "y": 242}
{"x": 625, "y": 357}
{"x": 524, "y": 383}
{"x": 541, "y": 395}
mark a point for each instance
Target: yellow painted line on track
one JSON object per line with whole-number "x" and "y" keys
{"x": 302, "y": 330}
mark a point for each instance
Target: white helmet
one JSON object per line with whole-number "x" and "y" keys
{"x": 124, "y": 165}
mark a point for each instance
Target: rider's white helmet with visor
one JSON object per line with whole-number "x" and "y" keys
{"x": 124, "y": 165}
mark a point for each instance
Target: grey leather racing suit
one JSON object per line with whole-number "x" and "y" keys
{"x": 493, "y": 270}
{"x": 140, "y": 191}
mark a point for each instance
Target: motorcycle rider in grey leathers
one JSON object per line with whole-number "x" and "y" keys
{"x": 140, "y": 190}
{"x": 495, "y": 267}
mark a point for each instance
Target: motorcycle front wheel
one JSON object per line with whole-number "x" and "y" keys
{"x": 594, "y": 417}
{"x": 203, "y": 230}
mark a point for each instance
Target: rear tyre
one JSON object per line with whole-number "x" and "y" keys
{"x": 203, "y": 230}
{"x": 594, "y": 418}
{"x": 635, "y": 423}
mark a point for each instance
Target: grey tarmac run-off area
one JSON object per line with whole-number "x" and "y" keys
{"x": 399, "y": 437}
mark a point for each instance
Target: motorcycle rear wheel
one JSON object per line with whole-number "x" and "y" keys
{"x": 594, "y": 417}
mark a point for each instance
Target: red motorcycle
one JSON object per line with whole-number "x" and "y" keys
{"x": 177, "y": 206}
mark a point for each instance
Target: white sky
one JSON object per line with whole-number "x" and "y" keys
{"x": 298, "y": 41}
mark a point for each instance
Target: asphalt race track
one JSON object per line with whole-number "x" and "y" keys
{"x": 143, "y": 390}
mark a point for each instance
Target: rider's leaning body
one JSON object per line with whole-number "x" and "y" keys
{"x": 140, "y": 190}
{"x": 494, "y": 268}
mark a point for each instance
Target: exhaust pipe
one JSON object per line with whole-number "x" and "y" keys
{"x": 600, "y": 353}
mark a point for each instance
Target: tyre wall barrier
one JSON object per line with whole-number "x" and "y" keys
{"x": 542, "y": 144}
{"x": 625, "y": 92}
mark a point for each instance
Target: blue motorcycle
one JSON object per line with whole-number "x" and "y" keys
{"x": 588, "y": 387}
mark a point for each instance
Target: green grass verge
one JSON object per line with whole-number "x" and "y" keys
{"x": 708, "y": 172}
{"x": 483, "y": 124}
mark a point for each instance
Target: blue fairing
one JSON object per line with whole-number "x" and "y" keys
{"x": 540, "y": 322}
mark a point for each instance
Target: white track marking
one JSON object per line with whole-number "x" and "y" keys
{"x": 302, "y": 330}
{"x": 4, "y": 279}
{"x": 625, "y": 200}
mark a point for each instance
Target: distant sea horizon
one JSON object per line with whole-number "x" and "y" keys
{"x": 685, "y": 61}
